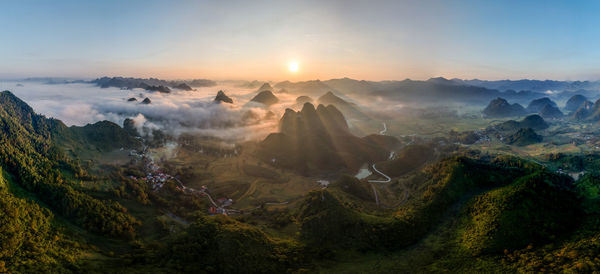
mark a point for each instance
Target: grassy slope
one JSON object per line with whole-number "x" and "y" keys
{"x": 451, "y": 246}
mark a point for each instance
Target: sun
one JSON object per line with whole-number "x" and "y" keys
{"x": 293, "y": 67}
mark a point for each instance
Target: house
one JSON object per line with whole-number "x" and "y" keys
{"x": 221, "y": 210}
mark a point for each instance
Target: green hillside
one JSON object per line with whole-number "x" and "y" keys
{"x": 453, "y": 211}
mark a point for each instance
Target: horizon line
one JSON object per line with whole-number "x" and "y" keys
{"x": 87, "y": 78}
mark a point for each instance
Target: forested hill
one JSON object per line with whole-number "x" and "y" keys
{"x": 36, "y": 164}
{"x": 466, "y": 211}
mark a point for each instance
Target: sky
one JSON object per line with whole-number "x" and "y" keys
{"x": 371, "y": 40}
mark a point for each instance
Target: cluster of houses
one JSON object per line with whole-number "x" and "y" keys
{"x": 155, "y": 177}
{"x": 156, "y": 180}
{"x": 221, "y": 204}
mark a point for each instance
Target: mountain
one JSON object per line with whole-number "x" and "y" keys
{"x": 132, "y": 99}
{"x": 551, "y": 112}
{"x": 388, "y": 142}
{"x": 100, "y": 136}
{"x": 437, "y": 92}
{"x": 533, "y": 121}
{"x": 198, "y": 82}
{"x": 31, "y": 156}
{"x": 408, "y": 159}
{"x": 126, "y": 83}
{"x": 244, "y": 84}
{"x": 129, "y": 127}
{"x": 499, "y": 107}
{"x": 311, "y": 88}
{"x": 575, "y": 102}
{"x": 524, "y": 137}
{"x": 146, "y": 101}
{"x": 594, "y": 113}
{"x": 533, "y": 85}
{"x": 537, "y": 105}
{"x": 348, "y": 109}
{"x": 434, "y": 90}
{"x": 265, "y": 86}
{"x": 103, "y": 136}
{"x": 160, "y": 88}
{"x": 484, "y": 208}
{"x": 583, "y": 112}
{"x": 350, "y": 86}
{"x": 183, "y": 86}
{"x": 532, "y": 210}
{"x": 442, "y": 81}
{"x": 265, "y": 97}
{"x": 222, "y": 97}
{"x": 301, "y": 100}
{"x": 317, "y": 141}
{"x": 468, "y": 211}
{"x": 131, "y": 83}
{"x": 330, "y": 98}
{"x": 406, "y": 90}
{"x": 40, "y": 184}
{"x": 588, "y": 111}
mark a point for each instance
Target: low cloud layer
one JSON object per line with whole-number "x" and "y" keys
{"x": 175, "y": 113}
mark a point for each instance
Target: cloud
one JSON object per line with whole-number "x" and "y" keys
{"x": 175, "y": 113}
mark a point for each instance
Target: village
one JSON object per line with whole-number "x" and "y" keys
{"x": 157, "y": 180}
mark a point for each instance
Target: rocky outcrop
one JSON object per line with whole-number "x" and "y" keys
{"x": 318, "y": 140}
{"x": 523, "y": 137}
{"x": 161, "y": 88}
{"x": 222, "y": 97}
{"x": 537, "y": 105}
{"x": 265, "y": 97}
{"x": 575, "y": 102}
{"x": 499, "y": 107}
{"x": 183, "y": 86}
{"x": 551, "y": 112}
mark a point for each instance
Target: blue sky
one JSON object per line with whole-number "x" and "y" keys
{"x": 329, "y": 39}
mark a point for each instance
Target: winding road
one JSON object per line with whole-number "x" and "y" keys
{"x": 384, "y": 129}
{"x": 387, "y": 178}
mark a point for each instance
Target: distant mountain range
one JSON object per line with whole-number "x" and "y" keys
{"x": 434, "y": 90}
{"x": 152, "y": 84}
{"x": 446, "y": 90}
{"x": 533, "y": 85}
{"x": 431, "y": 91}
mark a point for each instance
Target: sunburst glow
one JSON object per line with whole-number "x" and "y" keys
{"x": 293, "y": 67}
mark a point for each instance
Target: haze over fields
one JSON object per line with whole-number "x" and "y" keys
{"x": 299, "y": 137}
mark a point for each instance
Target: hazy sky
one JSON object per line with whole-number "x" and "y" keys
{"x": 372, "y": 40}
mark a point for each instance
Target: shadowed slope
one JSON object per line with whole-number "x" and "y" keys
{"x": 318, "y": 141}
